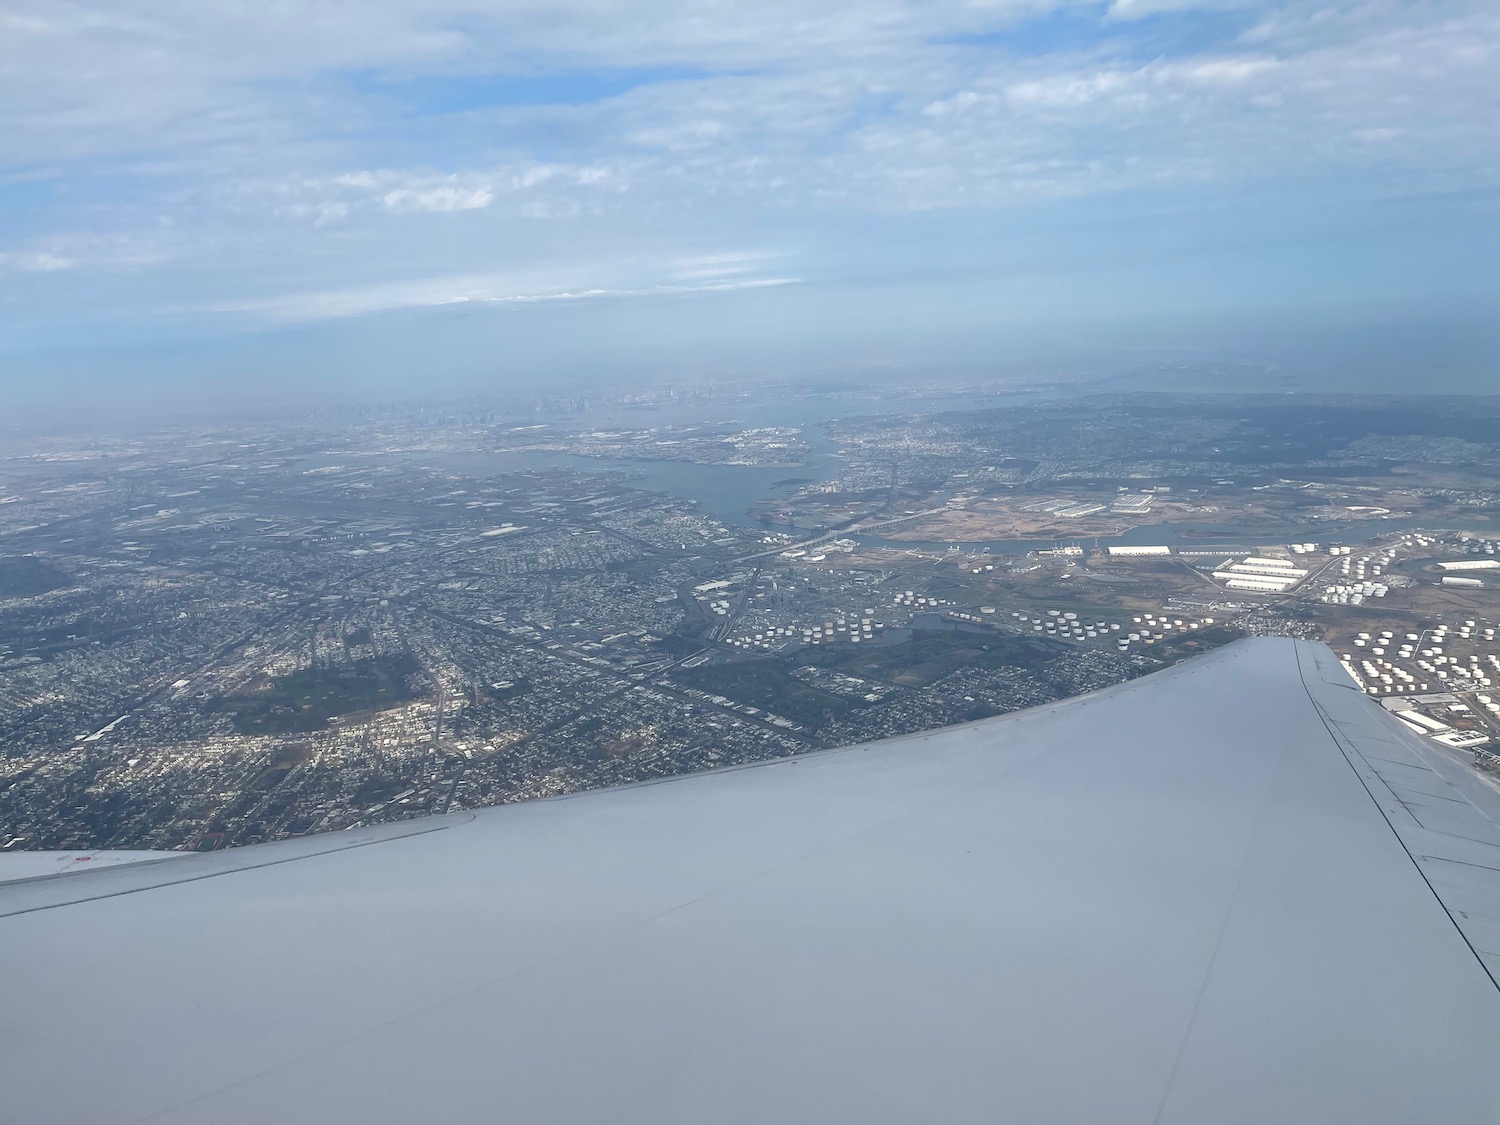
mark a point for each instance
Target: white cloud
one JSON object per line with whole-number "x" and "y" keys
{"x": 270, "y": 143}
{"x": 1068, "y": 89}
{"x": 1223, "y": 70}
{"x": 34, "y": 261}
{"x": 77, "y": 249}
{"x": 1139, "y": 9}
{"x": 706, "y": 267}
{"x": 464, "y": 290}
{"x": 525, "y": 188}
{"x": 438, "y": 199}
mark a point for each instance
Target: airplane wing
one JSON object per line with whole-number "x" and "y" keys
{"x": 1233, "y": 891}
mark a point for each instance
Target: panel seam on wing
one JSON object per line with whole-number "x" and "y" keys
{"x": 1332, "y": 727}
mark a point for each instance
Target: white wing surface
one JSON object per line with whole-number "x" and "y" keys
{"x": 1234, "y": 891}
{"x": 32, "y": 865}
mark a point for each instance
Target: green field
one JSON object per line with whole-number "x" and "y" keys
{"x": 307, "y": 699}
{"x": 930, "y": 657}
{"x": 26, "y": 576}
{"x": 767, "y": 683}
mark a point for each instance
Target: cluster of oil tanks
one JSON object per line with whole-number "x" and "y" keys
{"x": 1068, "y": 626}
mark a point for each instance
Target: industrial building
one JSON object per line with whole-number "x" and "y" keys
{"x": 1261, "y": 575}
{"x": 1137, "y": 552}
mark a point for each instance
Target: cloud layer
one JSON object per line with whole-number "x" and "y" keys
{"x": 317, "y": 158}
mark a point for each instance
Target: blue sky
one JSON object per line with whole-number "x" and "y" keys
{"x": 413, "y": 194}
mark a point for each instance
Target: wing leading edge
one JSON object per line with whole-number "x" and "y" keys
{"x": 1231, "y": 891}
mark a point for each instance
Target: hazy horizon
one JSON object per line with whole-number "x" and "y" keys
{"x": 217, "y": 207}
